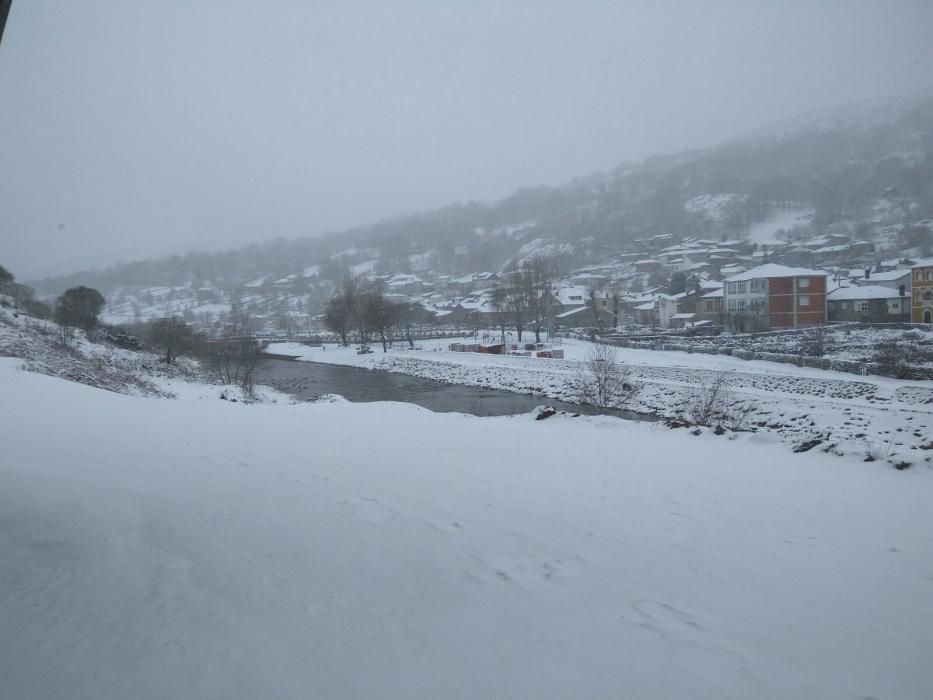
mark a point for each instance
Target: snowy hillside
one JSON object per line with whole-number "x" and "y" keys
{"x": 35, "y": 344}
{"x": 766, "y": 232}
{"x": 379, "y": 550}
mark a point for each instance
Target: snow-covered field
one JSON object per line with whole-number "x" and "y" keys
{"x": 892, "y": 419}
{"x": 152, "y": 548}
{"x": 783, "y": 220}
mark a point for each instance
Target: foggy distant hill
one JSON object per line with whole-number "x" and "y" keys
{"x": 857, "y": 166}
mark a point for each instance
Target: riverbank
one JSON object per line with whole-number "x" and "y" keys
{"x": 887, "y": 418}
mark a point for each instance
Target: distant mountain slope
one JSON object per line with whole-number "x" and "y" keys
{"x": 857, "y": 166}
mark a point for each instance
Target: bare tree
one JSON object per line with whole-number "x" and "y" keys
{"x": 604, "y": 382}
{"x": 537, "y": 278}
{"x": 338, "y": 316}
{"x": 355, "y": 291}
{"x": 499, "y": 300}
{"x": 171, "y": 336}
{"x": 380, "y": 315}
{"x": 238, "y": 323}
{"x": 235, "y": 355}
{"x": 516, "y": 300}
{"x": 234, "y": 361}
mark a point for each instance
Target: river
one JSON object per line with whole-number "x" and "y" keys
{"x": 309, "y": 380}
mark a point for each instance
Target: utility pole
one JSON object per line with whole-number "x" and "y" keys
{"x": 4, "y": 13}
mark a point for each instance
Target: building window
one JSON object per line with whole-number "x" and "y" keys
{"x": 757, "y": 286}
{"x": 929, "y": 275}
{"x": 918, "y": 276}
{"x": 918, "y": 296}
{"x": 803, "y": 300}
{"x": 803, "y": 282}
{"x": 863, "y": 306}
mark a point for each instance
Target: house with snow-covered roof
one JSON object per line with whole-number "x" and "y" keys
{"x": 585, "y": 316}
{"x": 774, "y": 296}
{"x": 869, "y": 304}
{"x": 405, "y": 284}
{"x": 895, "y": 279}
{"x": 653, "y": 310}
{"x": 571, "y": 297}
{"x": 711, "y": 304}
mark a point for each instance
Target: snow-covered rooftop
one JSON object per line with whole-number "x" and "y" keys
{"x": 570, "y": 295}
{"x": 891, "y": 276}
{"x": 775, "y": 270}
{"x": 571, "y": 312}
{"x": 864, "y": 292}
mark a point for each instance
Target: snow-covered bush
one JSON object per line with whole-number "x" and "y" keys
{"x": 715, "y": 405}
{"x": 602, "y": 381}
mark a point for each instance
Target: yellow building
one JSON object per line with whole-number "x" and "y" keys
{"x": 921, "y": 282}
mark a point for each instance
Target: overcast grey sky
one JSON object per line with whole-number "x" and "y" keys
{"x": 135, "y": 128}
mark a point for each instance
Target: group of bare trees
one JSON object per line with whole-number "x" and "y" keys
{"x": 232, "y": 358}
{"x": 362, "y": 307}
{"x": 527, "y": 297}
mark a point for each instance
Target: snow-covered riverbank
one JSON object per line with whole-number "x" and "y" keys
{"x": 890, "y": 418}
{"x": 203, "y": 549}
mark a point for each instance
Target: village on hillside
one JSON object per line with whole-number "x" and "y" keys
{"x": 682, "y": 285}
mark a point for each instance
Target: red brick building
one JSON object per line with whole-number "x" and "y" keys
{"x": 774, "y": 296}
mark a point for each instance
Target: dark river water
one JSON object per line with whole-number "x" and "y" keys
{"x": 309, "y": 380}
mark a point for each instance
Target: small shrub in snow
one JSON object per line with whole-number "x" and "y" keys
{"x": 715, "y": 405}
{"x": 602, "y": 381}
{"x": 902, "y": 360}
{"x": 814, "y": 343}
